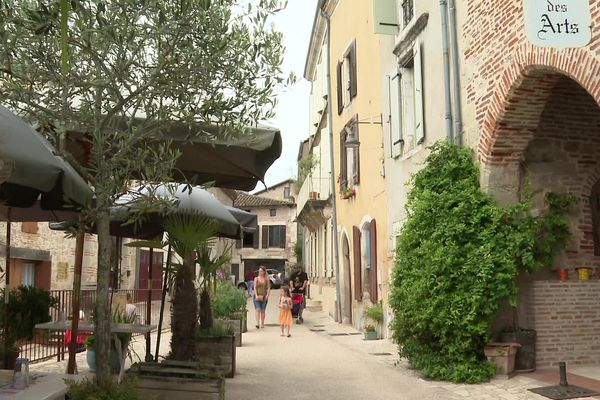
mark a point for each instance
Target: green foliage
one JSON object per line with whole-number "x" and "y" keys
{"x": 27, "y": 306}
{"x": 227, "y": 300}
{"x": 218, "y": 328}
{"x": 86, "y": 389}
{"x": 375, "y": 312}
{"x": 90, "y": 342}
{"x": 457, "y": 258}
{"x": 369, "y": 328}
{"x": 298, "y": 250}
{"x": 306, "y": 166}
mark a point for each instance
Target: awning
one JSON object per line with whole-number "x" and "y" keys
{"x": 235, "y": 164}
{"x": 32, "y": 172}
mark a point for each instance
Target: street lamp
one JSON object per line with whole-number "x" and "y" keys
{"x": 351, "y": 140}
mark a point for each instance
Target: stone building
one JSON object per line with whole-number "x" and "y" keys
{"x": 273, "y": 244}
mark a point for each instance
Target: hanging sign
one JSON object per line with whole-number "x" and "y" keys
{"x": 558, "y": 23}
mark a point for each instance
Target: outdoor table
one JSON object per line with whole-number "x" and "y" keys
{"x": 114, "y": 329}
{"x": 43, "y": 386}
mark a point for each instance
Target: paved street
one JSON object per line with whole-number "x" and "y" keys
{"x": 327, "y": 360}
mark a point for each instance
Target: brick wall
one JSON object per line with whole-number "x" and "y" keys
{"x": 566, "y": 317}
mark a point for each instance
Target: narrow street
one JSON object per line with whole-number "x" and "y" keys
{"x": 321, "y": 360}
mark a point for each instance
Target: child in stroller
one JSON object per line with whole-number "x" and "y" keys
{"x": 297, "y": 303}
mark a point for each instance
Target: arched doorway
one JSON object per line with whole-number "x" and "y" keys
{"x": 547, "y": 139}
{"x": 346, "y": 284}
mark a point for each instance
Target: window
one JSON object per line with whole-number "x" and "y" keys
{"x": 28, "y": 274}
{"x": 286, "y": 192}
{"x": 250, "y": 239}
{"x": 346, "y": 78}
{"x": 405, "y": 117}
{"x": 349, "y": 156}
{"x": 273, "y": 236}
{"x": 273, "y": 212}
{"x": 408, "y": 12}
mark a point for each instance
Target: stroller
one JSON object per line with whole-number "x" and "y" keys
{"x": 297, "y": 304}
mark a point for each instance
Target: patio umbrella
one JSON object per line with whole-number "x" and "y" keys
{"x": 235, "y": 163}
{"x": 33, "y": 172}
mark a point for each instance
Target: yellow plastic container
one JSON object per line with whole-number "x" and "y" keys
{"x": 584, "y": 273}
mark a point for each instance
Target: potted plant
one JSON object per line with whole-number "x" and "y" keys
{"x": 229, "y": 305}
{"x": 85, "y": 389}
{"x": 347, "y": 192}
{"x": 26, "y": 307}
{"x": 502, "y": 355}
{"x": 375, "y": 314}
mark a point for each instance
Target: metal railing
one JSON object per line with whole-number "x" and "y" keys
{"x": 46, "y": 345}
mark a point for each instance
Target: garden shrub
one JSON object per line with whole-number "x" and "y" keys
{"x": 457, "y": 258}
{"x": 227, "y": 300}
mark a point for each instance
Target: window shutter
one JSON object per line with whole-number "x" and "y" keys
{"x": 343, "y": 161}
{"x": 282, "y": 237}
{"x": 357, "y": 264}
{"x": 255, "y": 239}
{"x": 340, "y": 92}
{"x": 352, "y": 58}
{"x": 418, "y": 77}
{"x": 265, "y": 237}
{"x": 395, "y": 114}
{"x": 373, "y": 237}
{"x": 238, "y": 244}
{"x": 356, "y": 154}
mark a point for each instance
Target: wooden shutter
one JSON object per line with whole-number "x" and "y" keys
{"x": 255, "y": 241}
{"x": 394, "y": 118}
{"x": 356, "y": 154}
{"x": 282, "y": 236}
{"x": 352, "y": 59}
{"x": 265, "y": 237}
{"x": 340, "y": 91}
{"x": 343, "y": 161}
{"x": 373, "y": 237}
{"x": 418, "y": 85}
{"x": 357, "y": 264}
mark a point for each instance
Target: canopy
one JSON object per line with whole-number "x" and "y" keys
{"x": 198, "y": 201}
{"x": 235, "y": 164}
{"x": 33, "y": 172}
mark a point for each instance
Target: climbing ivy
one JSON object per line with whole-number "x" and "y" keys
{"x": 457, "y": 258}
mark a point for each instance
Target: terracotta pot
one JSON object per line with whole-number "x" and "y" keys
{"x": 563, "y": 274}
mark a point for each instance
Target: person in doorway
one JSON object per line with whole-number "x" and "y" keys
{"x": 285, "y": 311}
{"x": 299, "y": 284}
{"x": 249, "y": 278}
{"x": 262, "y": 289}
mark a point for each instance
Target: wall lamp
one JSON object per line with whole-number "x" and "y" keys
{"x": 351, "y": 140}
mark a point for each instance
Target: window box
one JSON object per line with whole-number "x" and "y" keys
{"x": 347, "y": 192}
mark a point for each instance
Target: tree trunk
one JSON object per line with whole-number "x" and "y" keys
{"x": 206, "y": 318}
{"x": 102, "y": 312}
{"x": 185, "y": 312}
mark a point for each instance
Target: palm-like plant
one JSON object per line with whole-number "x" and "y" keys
{"x": 186, "y": 233}
{"x": 209, "y": 266}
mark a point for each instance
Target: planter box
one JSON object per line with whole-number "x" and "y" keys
{"x": 525, "y": 358}
{"x": 503, "y": 355}
{"x": 177, "y": 380}
{"x": 371, "y": 335}
{"x": 236, "y": 325}
{"x": 216, "y": 354}
{"x": 243, "y": 315}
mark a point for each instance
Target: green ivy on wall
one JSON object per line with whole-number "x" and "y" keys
{"x": 457, "y": 258}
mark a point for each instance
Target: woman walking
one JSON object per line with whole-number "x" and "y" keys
{"x": 262, "y": 289}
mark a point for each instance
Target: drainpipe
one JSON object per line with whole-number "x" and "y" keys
{"x": 446, "y": 58}
{"x": 336, "y": 253}
{"x": 456, "y": 72}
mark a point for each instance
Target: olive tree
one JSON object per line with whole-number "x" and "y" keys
{"x": 118, "y": 72}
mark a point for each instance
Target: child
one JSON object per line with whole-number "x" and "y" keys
{"x": 285, "y": 315}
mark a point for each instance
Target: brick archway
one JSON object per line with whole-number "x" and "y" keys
{"x": 514, "y": 110}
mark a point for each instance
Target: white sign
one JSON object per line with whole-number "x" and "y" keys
{"x": 558, "y": 23}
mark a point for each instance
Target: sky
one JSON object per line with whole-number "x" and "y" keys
{"x": 295, "y": 22}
